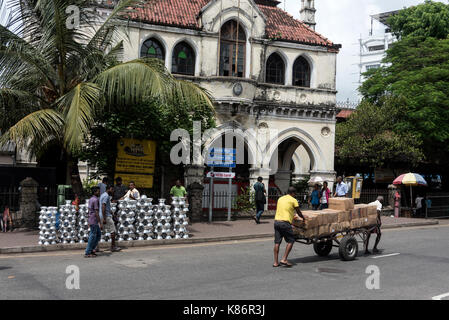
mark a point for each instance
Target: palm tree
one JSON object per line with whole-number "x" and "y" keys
{"x": 56, "y": 76}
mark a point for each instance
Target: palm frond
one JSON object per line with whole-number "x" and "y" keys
{"x": 37, "y": 126}
{"x": 133, "y": 81}
{"x": 79, "y": 107}
{"x": 192, "y": 94}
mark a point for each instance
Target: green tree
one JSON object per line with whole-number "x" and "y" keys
{"x": 55, "y": 79}
{"x": 373, "y": 137}
{"x": 417, "y": 72}
{"x": 155, "y": 121}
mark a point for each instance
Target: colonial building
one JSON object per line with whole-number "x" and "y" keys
{"x": 264, "y": 69}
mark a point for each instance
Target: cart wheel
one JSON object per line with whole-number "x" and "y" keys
{"x": 348, "y": 249}
{"x": 323, "y": 248}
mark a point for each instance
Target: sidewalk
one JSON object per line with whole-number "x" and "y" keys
{"x": 27, "y": 241}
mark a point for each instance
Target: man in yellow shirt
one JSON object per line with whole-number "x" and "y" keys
{"x": 287, "y": 211}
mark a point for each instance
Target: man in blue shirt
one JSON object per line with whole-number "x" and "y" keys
{"x": 342, "y": 188}
{"x": 106, "y": 215}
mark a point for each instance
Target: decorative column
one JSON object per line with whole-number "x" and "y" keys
{"x": 194, "y": 177}
{"x": 28, "y": 202}
{"x": 195, "y": 196}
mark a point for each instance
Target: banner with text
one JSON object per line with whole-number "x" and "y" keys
{"x": 135, "y": 161}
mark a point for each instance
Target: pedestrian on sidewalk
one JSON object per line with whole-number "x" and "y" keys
{"x": 260, "y": 197}
{"x": 287, "y": 211}
{"x": 325, "y": 194}
{"x": 7, "y": 220}
{"x": 341, "y": 189}
{"x": 178, "y": 190}
{"x": 132, "y": 193}
{"x": 119, "y": 189}
{"x": 95, "y": 223}
{"x": 1, "y": 221}
{"x": 102, "y": 185}
{"x": 377, "y": 229}
{"x": 315, "y": 197}
{"x": 106, "y": 216}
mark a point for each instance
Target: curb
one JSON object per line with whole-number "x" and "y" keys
{"x": 153, "y": 243}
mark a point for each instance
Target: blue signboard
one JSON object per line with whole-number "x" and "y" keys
{"x": 222, "y": 158}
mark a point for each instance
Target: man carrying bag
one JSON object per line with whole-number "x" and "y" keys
{"x": 261, "y": 199}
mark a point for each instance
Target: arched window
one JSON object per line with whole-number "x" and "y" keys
{"x": 232, "y": 50}
{"x": 152, "y": 48}
{"x": 275, "y": 69}
{"x": 183, "y": 59}
{"x": 301, "y": 73}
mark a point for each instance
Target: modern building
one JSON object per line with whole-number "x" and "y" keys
{"x": 373, "y": 47}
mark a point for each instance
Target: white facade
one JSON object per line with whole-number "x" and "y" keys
{"x": 304, "y": 117}
{"x": 373, "y": 48}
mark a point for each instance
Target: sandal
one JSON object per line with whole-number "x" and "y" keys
{"x": 286, "y": 265}
{"x": 274, "y": 266}
{"x": 116, "y": 249}
{"x": 92, "y": 255}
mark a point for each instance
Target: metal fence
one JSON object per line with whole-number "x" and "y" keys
{"x": 370, "y": 195}
{"x": 436, "y": 205}
{"x": 9, "y": 196}
{"x": 220, "y": 201}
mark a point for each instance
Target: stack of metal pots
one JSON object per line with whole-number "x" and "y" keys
{"x": 180, "y": 220}
{"x": 144, "y": 219}
{"x": 67, "y": 224}
{"x": 127, "y": 218}
{"x": 83, "y": 223}
{"x": 47, "y": 225}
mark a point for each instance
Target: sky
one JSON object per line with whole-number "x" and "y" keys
{"x": 343, "y": 22}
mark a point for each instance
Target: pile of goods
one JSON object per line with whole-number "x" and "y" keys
{"x": 180, "y": 210}
{"x": 127, "y": 218}
{"x": 83, "y": 223}
{"x": 145, "y": 218}
{"x": 47, "y": 225}
{"x": 342, "y": 215}
{"x": 67, "y": 223}
{"x": 138, "y": 220}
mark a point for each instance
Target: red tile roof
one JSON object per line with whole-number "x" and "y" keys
{"x": 184, "y": 14}
{"x": 345, "y": 114}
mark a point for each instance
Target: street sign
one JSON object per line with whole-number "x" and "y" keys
{"x": 221, "y": 157}
{"x": 221, "y": 175}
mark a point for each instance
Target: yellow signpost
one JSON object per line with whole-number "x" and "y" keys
{"x": 135, "y": 161}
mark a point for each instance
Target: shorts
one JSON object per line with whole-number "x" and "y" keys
{"x": 109, "y": 227}
{"x": 283, "y": 229}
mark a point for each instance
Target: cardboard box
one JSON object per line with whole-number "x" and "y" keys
{"x": 354, "y": 214}
{"x": 329, "y": 216}
{"x": 341, "y": 204}
{"x": 324, "y": 229}
{"x": 344, "y": 216}
{"x": 372, "y": 220}
{"x": 363, "y": 210}
{"x": 372, "y": 210}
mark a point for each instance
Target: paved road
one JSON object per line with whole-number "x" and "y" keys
{"x": 236, "y": 270}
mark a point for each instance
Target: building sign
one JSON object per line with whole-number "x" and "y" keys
{"x": 135, "y": 161}
{"x": 221, "y": 175}
{"x": 221, "y": 157}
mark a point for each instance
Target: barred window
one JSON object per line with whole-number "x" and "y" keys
{"x": 301, "y": 73}
{"x": 183, "y": 59}
{"x": 152, "y": 48}
{"x": 275, "y": 69}
{"x": 233, "y": 40}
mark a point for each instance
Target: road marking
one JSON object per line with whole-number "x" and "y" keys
{"x": 386, "y": 255}
{"x": 441, "y": 296}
